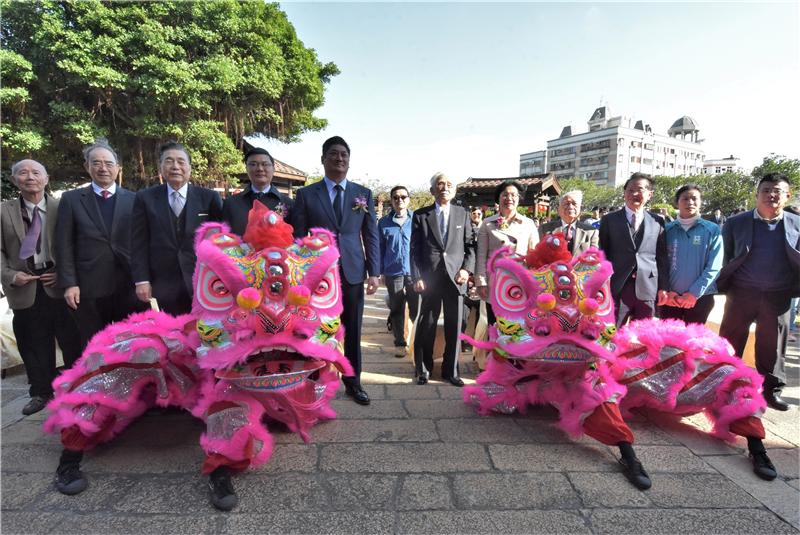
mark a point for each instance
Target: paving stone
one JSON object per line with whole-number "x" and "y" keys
{"x": 155, "y": 431}
{"x": 291, "y": 458}
{"x": 412, "y": 391}
{"x": 403, "y": 457}
{"x": 553, "y": 458}
{"x": 33, "y": 522}
{"x": 698, "y": 441}
{"x": 405, "y": 430}
{"x": 30, "y": 457}
{"x": 494, "y": 430}
{"x": 545, "y": 431}
{"x": 423, "y": 491}
{"x": 139, "y": 524}
{"x": 141, "y": 459}
{"x": 439, "y": 408}
{"x": 348, "y": 409}
{"x": 358, "y": 492}
{"x": 608, "y": 490}
{"x": 28, "y": 432}
{"x": 723, "y": 521}
{"x": 707, "y": 491}
{"x": 646, "y": 433}
{"x": 280, "y": 492}
{"x": 794, "y": 483}
{"x": 170, "y": 494}
{"x": 785, "y": 424}
{"x": 448, "y": 391}
{"x": 375, "y": 391}
{"x": 523, "y": 490}
{"x": 671, "y": 459}
{"x": 23, "y": 490}
{"x": 491, "y": 522}
{"x": 355, "y": 523}
{"x": 786, "y": 461}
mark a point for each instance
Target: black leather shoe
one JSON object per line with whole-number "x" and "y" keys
{"x": 635, "y": 472}
{"x": 773, "y": 399}
{"x": 70, "y": 480}
{"x": 762, "y": 466}
{"x": 455, "y": 381}
{"x": 422, "y": 380}
{"x": 36, "y": 404}
{"x": 223, "y": 496}
{"x": 358, "y": 394}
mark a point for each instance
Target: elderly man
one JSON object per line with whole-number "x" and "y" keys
{"x": 759, "y": 277}
{"x": 442, "y": 259}
{"x": 579, "y": 235}
{"x": 346, "y": 209}
{"x": 93, "y": 241}
{"x": 164, "y": 220}
{"x": 634, "y": 241}
{"x": 29, "y": 282}
{"x": 260, "y": 167}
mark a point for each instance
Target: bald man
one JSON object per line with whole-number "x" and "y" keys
{"x": 580, "y": 236}
{"x": 29, "y": 282}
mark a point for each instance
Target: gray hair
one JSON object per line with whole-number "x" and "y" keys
{"x": 15, "y": 167}
{"x": 99, "y": 143}
{"x": 576, "y": 194}
{"x": 436, "y": 176}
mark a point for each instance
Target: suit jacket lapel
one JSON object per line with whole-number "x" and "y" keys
{"x": 349, "y": 202}
{"x": 577, "y": 239}
{"x": 50, "y": 228}
{"x": 327, "y": 205}
{"x": 164, "y": 210}
{"x": 121, "y": 202}
{"x": 433, "y": 222}
{"x": 90, "y": 205}
{"x": 17, "y": 222}
{"x": 192, "y": 208}
{"x": 452, "y": 223}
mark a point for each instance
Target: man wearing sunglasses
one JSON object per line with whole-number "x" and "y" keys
{"x": 394, "y": 230}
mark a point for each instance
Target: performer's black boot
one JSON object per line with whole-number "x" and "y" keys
{"x": 632, "y": 467}
{"x": 762, "y": 466}
{"x": 69, "y": 478}
{"x": 223, "y": 495}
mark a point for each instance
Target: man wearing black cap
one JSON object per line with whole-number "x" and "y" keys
{"x": 260, "y": 169}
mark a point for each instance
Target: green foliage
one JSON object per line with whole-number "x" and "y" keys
{"x": 775, "y": 163}
{"x": 141, "y": 73}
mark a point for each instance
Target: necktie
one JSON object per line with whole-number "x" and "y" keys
{"x": 30, "y": 244}
{"x": 568, "y": 232}
{"x": 633, "y": 222}
{"x": 442, "y": 226}
{"x": 259, "y": 196}
{"x": 337, "y": 203}
{"x": 177, "y": 203}
{"x": 106, "y": 194}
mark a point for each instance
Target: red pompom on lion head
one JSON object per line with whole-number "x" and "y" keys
{"x": 552, "y": 248}
{"x": 266, "y": 228}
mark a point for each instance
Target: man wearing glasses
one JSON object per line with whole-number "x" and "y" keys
{"x": 260, "y": 167}
{"x": 93, "y": 243}
{"x": 760, "y": 275}
{"x": 394, "y": 231}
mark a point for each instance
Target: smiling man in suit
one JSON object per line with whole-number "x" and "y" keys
{"x": 633, "y": 240}
{"x": 93, "y": 241}
{"x": 442, "y": 260}
{"x": 579, "y": 235}
{"x": 346, "y": 209}
{"x": 164, "y": 220}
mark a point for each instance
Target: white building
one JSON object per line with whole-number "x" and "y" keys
{"x": 616, "y": 147}
{"x": 722, "y": 165}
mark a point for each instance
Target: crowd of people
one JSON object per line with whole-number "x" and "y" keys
{"x": 72, "y": 266}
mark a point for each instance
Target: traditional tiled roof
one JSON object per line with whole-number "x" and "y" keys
{"x": 546, "y": 180}
{"x": 285, "y": 170}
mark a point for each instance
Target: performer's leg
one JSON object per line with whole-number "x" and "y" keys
{"x": 752, "y": 429}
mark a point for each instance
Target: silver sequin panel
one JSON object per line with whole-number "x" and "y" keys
{"x": 119, "y": 382}
{"x": 223, "y": 424}
{"x": 658, "y": 384}
{"x": 705, "y": 392}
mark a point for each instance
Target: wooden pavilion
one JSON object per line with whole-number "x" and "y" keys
{"x": 539, "y": 190}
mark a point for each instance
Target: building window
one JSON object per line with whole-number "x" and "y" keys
{"x": 636, "y": 159}
{"x": 648, "y": 146}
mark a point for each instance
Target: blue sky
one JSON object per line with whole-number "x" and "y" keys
{"x": 465, "y": 88}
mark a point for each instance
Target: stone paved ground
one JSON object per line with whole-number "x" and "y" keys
{"x": 416, "y": 461}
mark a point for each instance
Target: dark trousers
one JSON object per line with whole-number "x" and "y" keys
{"x": 440, "y": 291}
{"x": 353, "y": 303}
{"x": 401, "y": 293}
{"x": 628, "y": 306}
{"x": 469, "y": 306}
{"x": 697, "y": 314}
{"x": 176, "y": 301}
{"x": 770, "y": 311}
{"x": 93, "y": 315}
{"x": 36, "y": 329}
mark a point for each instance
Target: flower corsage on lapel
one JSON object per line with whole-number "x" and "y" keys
{"x": 360, "y": 204}
{"x": 282, "y": 210}
{"x": 503, "y": 223}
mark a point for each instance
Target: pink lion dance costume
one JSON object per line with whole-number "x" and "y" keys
{"x": 263, "y": 339}
{"x": 555, "y": 343}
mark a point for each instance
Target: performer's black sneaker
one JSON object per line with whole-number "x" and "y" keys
{"x": 70, "y": 480}
{"x": 762, "y": 466}
{"x": 223, "y": 496}
{"x": 635, "y": 472}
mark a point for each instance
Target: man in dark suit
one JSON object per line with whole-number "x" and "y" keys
{"x": 633, "y": 241}
{"x": 29, "y": 282}
{"x": 579, "y": 235}
{"x": 93, "y": 245}
{"x": 759, "y": 277}
{"x": 346, "y": 209}
{"x": 442, "y": 259}
{"x": 164, "y": 220}
{"x": 260, "y": 169}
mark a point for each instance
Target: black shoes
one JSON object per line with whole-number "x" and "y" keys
{"x": 223, "y": 496}
{"x": 635, "y": 472}
{"x": 358, "y": 394}
{"x": 422, "y": 380}
{"x": 36, "y": 404}
{"x": 772, "y": 397}
{"x": 70, "y": 480}
{"x": 455, "y": 381}
{"x": 762, "y": 466}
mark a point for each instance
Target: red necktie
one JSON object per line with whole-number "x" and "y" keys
{"x": 106, "y": 194}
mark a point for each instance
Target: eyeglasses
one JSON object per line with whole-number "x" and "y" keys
{"x": 97, "y": 164}
{"x": 776, "y": 191}
{"x": 400, "y": 197}
{"x": 259, "y": 165}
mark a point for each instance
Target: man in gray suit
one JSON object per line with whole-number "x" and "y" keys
{"x": 442, "y": 260}
{"x": 579, "y": 235}
{"x": 759, "y": 277}
{"x": 93, "y": 242}
{"x": 633, "y": 240}
{"x": 29, "y": 282}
